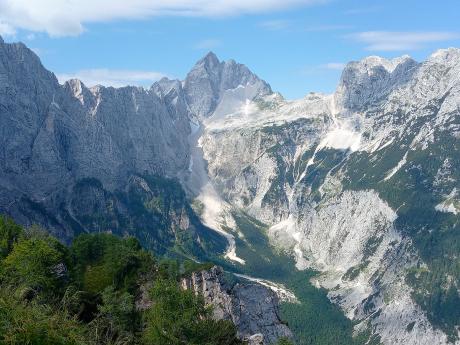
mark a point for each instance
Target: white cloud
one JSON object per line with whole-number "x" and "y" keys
{"x": 338, "y": 66}
{"x": 110, "y": 77}
{"x": 6, "y": 29}
{"x": 61, "y": 18}
{"x": 401, "y": 41}
{"x": 208, "y": 44}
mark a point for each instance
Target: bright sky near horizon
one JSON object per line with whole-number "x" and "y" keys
{"x": 297, "y": 46}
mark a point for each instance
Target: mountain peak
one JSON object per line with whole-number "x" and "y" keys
{"x": 210, "y": 78}
{"x": 210, "y": 56}
{"x": 209, "y": 61}
{"x": 371, "y": 62}
{"x": 21, "y": 63}
{"x": 366, "y": 80}
{"x": 445, "y": 55}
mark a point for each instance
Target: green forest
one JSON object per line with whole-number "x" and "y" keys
{"x": 88, "y": 293}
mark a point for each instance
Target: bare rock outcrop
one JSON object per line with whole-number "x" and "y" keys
{"x": 253, "y": 308}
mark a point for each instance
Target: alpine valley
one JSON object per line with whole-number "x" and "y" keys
{"x": 345, "y": 205}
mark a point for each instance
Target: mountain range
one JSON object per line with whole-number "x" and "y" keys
{"x": 360, "y": 186}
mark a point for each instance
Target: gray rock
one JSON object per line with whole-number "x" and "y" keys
{"x": 253, "y": 308}
{"x": 291, "y": 164}
{"x": 256, "y": 339}
{"x": 365, "y": 82}
{"x": 53, "y": 136}
{"x": 209, "y": 79}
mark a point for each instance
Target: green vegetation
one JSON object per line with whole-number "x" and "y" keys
{"x": 175, "y": 319}
{"x": 30, "y": 263}
{"x": 9, "y": 234}
{"x": 153, "y": 209}
{"x": 284, "y": 341}
{"x": 85, "y": 294}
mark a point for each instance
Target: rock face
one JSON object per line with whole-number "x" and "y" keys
{"x": 357, "y": 185}
{"x": 253, "y": 308}
{"x": 61, "y": 133}
{"x": 209, "y": 79}
{"x": 53, "y": 135}
{"x": 365, "y": 82}
{"x": 55, "y": 138}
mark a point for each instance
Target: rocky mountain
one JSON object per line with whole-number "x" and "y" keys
{"x": 210, "y": 80}
{"x": 243, "y": 304}
{"x": 55, "y": 138}
{"x": 360, "y": 185}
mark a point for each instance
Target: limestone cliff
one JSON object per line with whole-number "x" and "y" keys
{"x": 253, "y": 308}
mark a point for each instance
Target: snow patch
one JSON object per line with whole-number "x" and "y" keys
{"x": 450, "y": 205}
{"x": 342, "y": 138}
{"x": 288, "y": 226}
{"x": 397, "y": 167}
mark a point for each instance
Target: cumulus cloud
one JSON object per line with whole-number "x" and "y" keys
{"x": 111, "y": 77}
{"x": 401, "y": 41}
{"x": 61, "y": 18}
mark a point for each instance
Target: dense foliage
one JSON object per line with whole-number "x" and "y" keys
{"x": 87, "y": 293}
{"x": 173, "y": 319}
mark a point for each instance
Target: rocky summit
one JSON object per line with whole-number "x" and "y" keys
{"x": 360, "y": 186}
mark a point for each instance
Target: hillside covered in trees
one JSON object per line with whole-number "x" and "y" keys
{"x": 89, "y": 293}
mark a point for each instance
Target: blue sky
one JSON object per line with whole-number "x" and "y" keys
{"x": 298, "y": 46}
